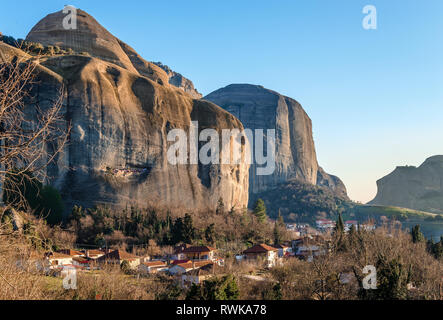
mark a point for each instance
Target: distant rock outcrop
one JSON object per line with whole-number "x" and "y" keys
{"x": 121, "y": 109}
{"x": 176, "y": 79}
{"x": 419, "y": 188}
{"x": 260, "y": 108}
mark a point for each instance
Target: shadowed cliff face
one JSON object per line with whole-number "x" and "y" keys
{"x": 416, "y": 188}
{"x": 260, "y": 108}
{"x": 121, "y": 109}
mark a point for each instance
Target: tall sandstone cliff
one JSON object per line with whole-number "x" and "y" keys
{"x": 121, "y": 109}
{"x": 419, "y": 188}
{"x": 260, "y": 108}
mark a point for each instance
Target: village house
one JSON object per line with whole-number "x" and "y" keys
{"x": 324, "y": 224}
{"x": 262, "y": 252}
{"x": 178, "y": 252}
{"x": 283, "y": 250}
{"x": 57, "y": 260}
{"x": 152, "y": 267}
{"x": 197, "y": 276}
{"x": 199, "y": 253}
{"x": 82, "y": 262}
{"x": 308, "y": 247}
{"x": 117, "y": 257}
{"x": 93, "y": 254}
{"x": 181, "y": 268}
{"x": 71, "y": 252}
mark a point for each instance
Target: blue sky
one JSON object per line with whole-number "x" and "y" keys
{"x": 375, "y": 96}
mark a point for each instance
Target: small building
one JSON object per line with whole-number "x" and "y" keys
{"x": 199, "y": 253}
{"x": 282, "y": 249}
{"x": 308, "y": 247}
{"x": 152, "y": 266}
{"x": 181, "y": 268}
{"x": 93, "y": 254}
{"x": 71, "y": 252}
{"x": 178, "y": 252}
{"x": 262, "y": 252}
{"x": 83, "y": 262}
{"x": 56, "y": 260}
{"x": 197, "y": 276}
{"x": 118, "y": 256}
{"x": 324, "y": 224}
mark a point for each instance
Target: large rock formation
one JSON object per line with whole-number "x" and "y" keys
{"x": 411, "y": 187}
{"x": 92, "y": 38}
{"x": 260, "y": 108}
{"x": 121, "y": 108}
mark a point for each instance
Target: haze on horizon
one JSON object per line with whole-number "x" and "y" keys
{"x": 374, "y": 96}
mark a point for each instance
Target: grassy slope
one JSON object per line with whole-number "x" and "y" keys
{"x": 390, "y": 211}
{"x": 430, "y": 223}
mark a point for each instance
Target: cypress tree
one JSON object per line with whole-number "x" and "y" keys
{"x": 340, "y": 225}
{"x": 416, "y": 234}
{"x": 260, "y": 210}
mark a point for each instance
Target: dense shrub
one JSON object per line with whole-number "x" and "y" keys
{"x": 24, "y": 192}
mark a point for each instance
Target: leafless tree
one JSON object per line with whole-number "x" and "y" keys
{"x": 25, "y": 134}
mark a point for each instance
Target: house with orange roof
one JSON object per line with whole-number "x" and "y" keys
{"x": 117, "y": 257}
{"x": 56, "y": 259}
{"x": 199, "y": 253}
{"x": 94, "y": 254}
{"x": 262, "y": 253}
{"x": 181, "y": 268}
{"x": 71, "y": 252}
{"x": 178, "y": 252}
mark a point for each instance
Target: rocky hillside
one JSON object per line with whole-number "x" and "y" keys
{"x": 121, "y": 108}
{"x": 411, "y": 187}
{"x": 302, "y": 202}
{"x": 261, "y": 108}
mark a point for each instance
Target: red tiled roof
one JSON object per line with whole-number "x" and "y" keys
{"x": 80, "y": 260}
{"x": 118, "y": 255}
{"x": 196, "y": 264}
{"x": 70, "y": 252}
{"x": 180, "y": 261}
{"x": 155, "y": 264}
{"x": 207, "y": 269}
{"x": 198, "y": 249}
{"x": 280, "y": 246}
{"x": 57, "y": 255}
{"x": 180, "y": 248}
{"x": 260, "y": 248}
{"x": 95, "y": 252}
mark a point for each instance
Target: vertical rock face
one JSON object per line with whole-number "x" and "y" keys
{"x": 260, "y": 108}
{"x": 121, "y": 110}
{"x": 419, "y": 188}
